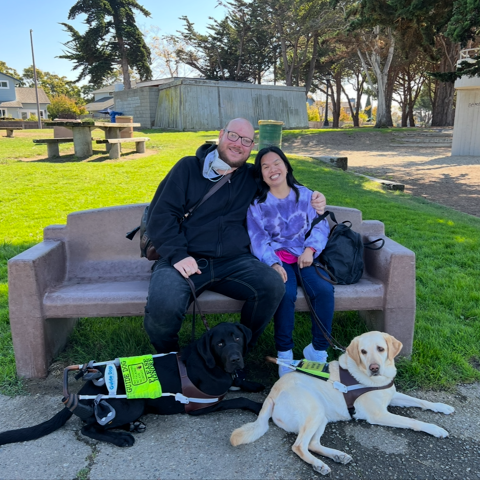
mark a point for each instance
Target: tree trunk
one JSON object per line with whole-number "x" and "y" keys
{"x": 313, "y": 61}
{"x": 443, "y": 112}
{"x": 336, "y": 98}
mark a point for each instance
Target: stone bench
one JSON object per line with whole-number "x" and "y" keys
{"x": 10, "y": 130}
{"x": 53, "y": 149}
{"x": 114, "y": 145}
{"x": 87, "y": 268}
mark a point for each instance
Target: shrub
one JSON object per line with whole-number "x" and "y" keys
{"x": 312, "y": 112}
{"x": 61, "y": 106}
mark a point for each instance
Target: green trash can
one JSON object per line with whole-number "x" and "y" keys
{"x": 270, "y": 133}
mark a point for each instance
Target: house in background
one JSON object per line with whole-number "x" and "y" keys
{"x": 20, "y": 102}
{"x": 103, "y": 100}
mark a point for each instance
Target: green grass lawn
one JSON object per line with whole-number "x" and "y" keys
{"x": 41, "y": 192}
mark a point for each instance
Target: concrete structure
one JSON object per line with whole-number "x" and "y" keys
{"x": 190, "y": 104}
{"x": 20, "y": 102}
{"x": 466, "y": 133}
{"x": 77, "y": 272}
{"x": 139, "y": 103}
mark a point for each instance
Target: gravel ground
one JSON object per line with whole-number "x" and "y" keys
{"x": 429, "y": 172}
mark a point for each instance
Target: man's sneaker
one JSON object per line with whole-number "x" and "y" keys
{"x": 313, "y": 355}
{"x": 287, "y": 356}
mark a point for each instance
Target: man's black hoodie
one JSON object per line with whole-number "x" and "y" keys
{"x": 217, "y": 229}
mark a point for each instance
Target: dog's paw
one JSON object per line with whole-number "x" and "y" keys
{"x": 138, "y": 427}
{"x": 443, "y": 408}
{"x": 123, "y": 439}
{"x": 320, "y": 467}
{"x": 342, "y": 457}
{"x": 437, "y": 431}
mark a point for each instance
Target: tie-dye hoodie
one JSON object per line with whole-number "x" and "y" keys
{"x": 281, "y": 224}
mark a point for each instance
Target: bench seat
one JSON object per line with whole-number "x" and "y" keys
{"x": 114, "y": 145}
{"x": 126, "y": 299}
{"x": 81, "y": 270}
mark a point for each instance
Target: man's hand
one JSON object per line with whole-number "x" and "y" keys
{"x": 281, "y": 271}
{"x": 188, "y": 266}
{"x": 319, "y": 202}
{"x": 306, "y": 258}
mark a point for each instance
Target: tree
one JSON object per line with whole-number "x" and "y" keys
{"x": 62, "y": 106}
{"x": 51, "y": 84}
{"x": 240, "y": 47}
{"x": 112, "y": 39}
{"x": 4, "y": 68}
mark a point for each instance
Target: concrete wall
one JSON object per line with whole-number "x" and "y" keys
{"x": 466, "y": 133}
{"x": 139, "y": 103}
{"x": 192, "y": 104}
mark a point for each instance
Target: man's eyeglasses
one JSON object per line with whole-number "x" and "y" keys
{"x": 233, "y": 137}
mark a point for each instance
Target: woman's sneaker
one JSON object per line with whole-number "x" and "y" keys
{"x": 286, "y": 356}
{"x": 313, "y": 355}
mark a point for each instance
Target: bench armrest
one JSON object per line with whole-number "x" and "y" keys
{"x": 394, "y": 266}
{"x": 32, "y": 272}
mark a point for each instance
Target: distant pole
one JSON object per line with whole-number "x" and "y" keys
{"x": 35, "y": 80}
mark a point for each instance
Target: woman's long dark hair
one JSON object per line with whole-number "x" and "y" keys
{"x": 262, "y": 187}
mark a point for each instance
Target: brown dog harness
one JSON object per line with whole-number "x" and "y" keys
{"x": 191, "y": 391}
{"x": 351, "y": 394}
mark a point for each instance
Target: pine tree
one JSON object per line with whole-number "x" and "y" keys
{"x": 112, "y": 39}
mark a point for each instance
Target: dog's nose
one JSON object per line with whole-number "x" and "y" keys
{"x": 374, "y": 368}
{"x": 235, "y": 359}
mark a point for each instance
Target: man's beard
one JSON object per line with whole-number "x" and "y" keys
{"x": 223, "y": 154}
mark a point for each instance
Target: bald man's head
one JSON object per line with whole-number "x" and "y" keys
{"x": 234, "y": 145}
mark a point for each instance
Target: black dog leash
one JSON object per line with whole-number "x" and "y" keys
{"x": 336, "y": 345}
{"x": 197, "y": 305}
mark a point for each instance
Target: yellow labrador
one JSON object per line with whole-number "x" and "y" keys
{"x": 301, "y": 404}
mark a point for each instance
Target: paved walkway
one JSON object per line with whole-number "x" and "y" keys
{"x": 185, "y": 447}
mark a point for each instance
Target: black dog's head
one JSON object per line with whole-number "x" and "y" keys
{"x": 225, "y": 346}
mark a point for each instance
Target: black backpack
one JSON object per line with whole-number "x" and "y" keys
{"x": 342, "y": 257}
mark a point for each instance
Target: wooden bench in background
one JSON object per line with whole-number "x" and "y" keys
{"x": 87, "y": 268}
{"x": 10, "y": 130}
{"x": 114, "y": 145}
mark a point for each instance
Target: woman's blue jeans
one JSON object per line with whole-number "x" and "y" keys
{"x": 321, "y": 295}
{"x": 242, "y": 278}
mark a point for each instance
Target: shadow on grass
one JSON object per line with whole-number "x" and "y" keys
{"x": 98, "y": 156}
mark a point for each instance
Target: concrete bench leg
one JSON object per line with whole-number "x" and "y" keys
{"x": 53, "y": 150}
{"x": 9, "y": 133}
{"x": 140, "y": 147}
{"x": 115, "y": 150}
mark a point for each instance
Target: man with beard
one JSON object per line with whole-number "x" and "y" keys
{"x": 212, "y": 247}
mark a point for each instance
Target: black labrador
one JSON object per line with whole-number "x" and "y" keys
{"x": 211, "y": 363}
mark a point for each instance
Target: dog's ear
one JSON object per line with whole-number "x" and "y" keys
{"x": 352, "y": 351}
{"x": 205, "y": 350}
{"x": 394, "y": 346}
{"x": 247, "y": 336}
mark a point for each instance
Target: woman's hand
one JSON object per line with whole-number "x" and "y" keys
{"x": 319, "y": 202}
{"x": 281, "y": 271}
{"x": 306, "y": 258}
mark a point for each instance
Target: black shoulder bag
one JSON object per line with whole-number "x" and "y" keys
{"x": 342, "y": 258}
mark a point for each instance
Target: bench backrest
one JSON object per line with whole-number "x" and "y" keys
{"x": 96, "y": 246}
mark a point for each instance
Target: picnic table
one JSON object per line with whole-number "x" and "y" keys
{"x": 82, "y": 134}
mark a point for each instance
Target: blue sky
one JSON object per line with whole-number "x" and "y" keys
{"x": 17, "y": 17}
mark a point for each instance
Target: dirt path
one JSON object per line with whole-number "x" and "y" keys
{"x": 429, "y": 172}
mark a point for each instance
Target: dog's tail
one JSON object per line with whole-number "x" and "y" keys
{"x": 38, "y": 431}
{"x": 253, "y": 431}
